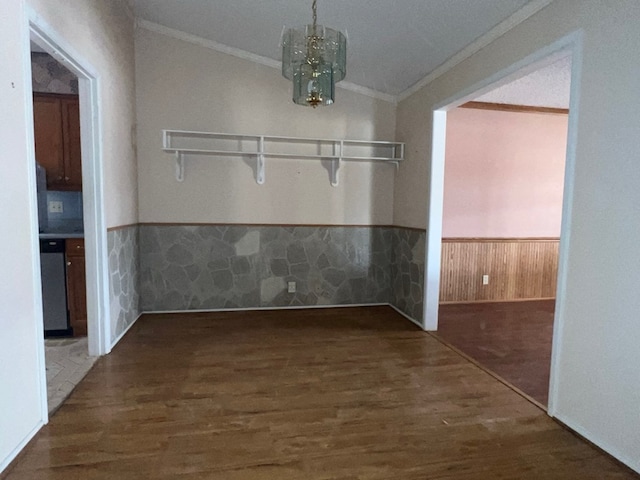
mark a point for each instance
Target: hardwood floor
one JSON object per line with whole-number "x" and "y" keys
{"x": 352, "y": 393}
{"x": 511, "y": 339}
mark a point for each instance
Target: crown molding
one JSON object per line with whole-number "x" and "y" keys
{"x": 530, "y": 9}
{"x": 127, "y": 6}
{"x": 252, "y": 57}
{"x": 203, "y": 42}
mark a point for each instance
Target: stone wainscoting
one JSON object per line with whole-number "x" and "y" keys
{"x": 407, "y": 271}
{"x": 206, "y": 267}
{"x": 187, "y": 267}
{"x": 124, "y": 278}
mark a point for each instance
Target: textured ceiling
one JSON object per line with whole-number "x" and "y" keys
{"x": 546, "y": 87}
{"x": 391, "y": 44}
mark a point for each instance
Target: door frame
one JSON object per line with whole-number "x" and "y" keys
{"x": 571, "y": 44}
{"x": 95, "y": 232}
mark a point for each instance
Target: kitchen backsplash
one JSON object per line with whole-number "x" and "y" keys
{"x": 71, "y": 206}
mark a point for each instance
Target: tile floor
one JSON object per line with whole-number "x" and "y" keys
{"x": 67, "y": 361}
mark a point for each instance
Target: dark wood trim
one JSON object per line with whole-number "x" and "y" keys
{"x": 413, "y": 229}
{"x": 499, "y": 239}
{"x": 67, "y": 96}
{"x": 122, "y": 227}
{"x": 316, "y": 225}
{"x": 513, "y": 300}
{"x": 220, "y": 224}
{"x": 503, "y": 107}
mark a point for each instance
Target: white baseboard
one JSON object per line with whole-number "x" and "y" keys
{"x": 406, "y": 316}
{"x": 115, "y": 342}
{"x": 14, "y": 453}
{"x": 257, "y": 309}
{"x": 633, "y": 464}
{"x": 254, "y": 309}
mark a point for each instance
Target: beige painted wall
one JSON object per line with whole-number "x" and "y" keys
{"x": 598, "y": 379}
{"x": 101, "y": 32}
{"x": 188, "y": 87}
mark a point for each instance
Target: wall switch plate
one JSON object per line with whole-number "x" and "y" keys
{"x": 291, "y": 287}
{"x": 55, "y": 207}
{"x": 485, "y": 279}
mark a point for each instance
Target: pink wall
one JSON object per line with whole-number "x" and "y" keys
{"x": 504, "y": 174}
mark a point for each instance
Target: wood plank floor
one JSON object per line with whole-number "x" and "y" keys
{"x": 352, "y": 393}
{"x": 511, "y": 339}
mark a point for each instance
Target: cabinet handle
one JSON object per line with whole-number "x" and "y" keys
{"x": 59, "y": 177}
{"x": 78, "y": 246}
{"x": 66, "y": 179}
{"x": 68, "y": 264}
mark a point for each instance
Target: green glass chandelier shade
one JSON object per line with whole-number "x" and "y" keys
{"x": 314, "y": 58}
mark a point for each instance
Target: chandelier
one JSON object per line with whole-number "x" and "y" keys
{"x": 314, "y": 58}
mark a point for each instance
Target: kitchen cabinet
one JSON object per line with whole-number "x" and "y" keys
{"x": 56, "y": 120}
{"x": 76, "y": 286}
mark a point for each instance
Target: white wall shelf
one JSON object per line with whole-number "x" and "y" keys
{"x": 183, "y": 143}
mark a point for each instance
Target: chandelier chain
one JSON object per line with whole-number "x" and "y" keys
{"x": 314, "y": 6}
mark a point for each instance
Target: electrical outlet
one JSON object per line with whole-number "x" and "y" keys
{"x": 485, "y": 279}
{"x": 291, "y": 287}
{"x": 55, "y": 207}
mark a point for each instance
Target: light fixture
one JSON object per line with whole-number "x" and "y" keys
{"x": 315, "y": 58}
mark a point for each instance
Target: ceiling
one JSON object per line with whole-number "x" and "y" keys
{"x": 548, "y": 86}
{"x": 392, "y": 45}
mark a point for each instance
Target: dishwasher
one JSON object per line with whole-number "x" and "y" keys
{"x": 54, "y": 288}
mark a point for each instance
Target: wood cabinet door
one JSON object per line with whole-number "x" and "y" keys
{"x": 71, "y": 138}
{"x": 47, "y": 123}
{"x": 76, "y": 286}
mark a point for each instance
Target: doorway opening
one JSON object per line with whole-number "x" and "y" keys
{"x": 67, "y": 123}
{"x": 568, "y": 46}
{"x": 56, "y": 116}
{"x": 504, "y": 177}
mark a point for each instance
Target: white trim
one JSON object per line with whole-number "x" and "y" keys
{"x": 633, "y": 464}
{"x": 565, "y": 228}
{"x": 252, "y": 57}
{"x": 95, "y": 230}
{"x": 115, "y": 342}
{"x": 259, "y": 309}
{"x": 569, "y": 43}
{"x": 14, "y": 453}
{"x": 530, "y": 9}
{"x": 433, "y": 237}
{"x": 412, "y": 320}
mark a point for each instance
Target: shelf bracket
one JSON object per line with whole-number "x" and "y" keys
{"x": 335, "y": 167}
{"x": 179, "y": 166}
{"x": 260, "y": 162}
{"x": 335, "y": 162}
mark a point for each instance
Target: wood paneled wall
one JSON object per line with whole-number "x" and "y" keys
{"x": 518, "y": 269}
